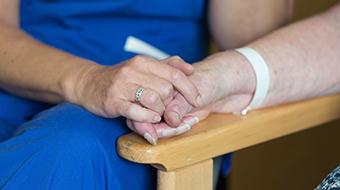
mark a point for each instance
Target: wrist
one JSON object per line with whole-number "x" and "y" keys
{"x": 238, "y": 75}
{"x": 74, "y": 79}
{"x": 223, "y": 74}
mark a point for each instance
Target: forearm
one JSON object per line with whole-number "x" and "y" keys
{"x": 34, "y": 70}
{"x": 303, "y": 59}
{"x": 234, "y": 23}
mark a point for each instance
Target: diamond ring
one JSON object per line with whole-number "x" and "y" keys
{"x": 139, "y": 93}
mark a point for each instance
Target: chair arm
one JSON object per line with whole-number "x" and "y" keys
{"x": 224, "y": 133}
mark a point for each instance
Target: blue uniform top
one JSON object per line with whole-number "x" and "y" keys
{"x": 97, "y": 29}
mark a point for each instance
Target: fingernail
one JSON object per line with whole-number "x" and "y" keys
{"x": 150, "y": 139}
{"x": 175, "y": 115}
{"x": 192, "y": 120}
{"x": 168, "y": 132}
{"x": 183, "y": 128}
{"x": 157, "y": 118}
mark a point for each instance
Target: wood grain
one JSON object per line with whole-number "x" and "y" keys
{"x": 224, "y": 133}
{"x": 198, "y": 177}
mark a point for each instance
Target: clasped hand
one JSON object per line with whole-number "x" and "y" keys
{"x": 176, "y": 96}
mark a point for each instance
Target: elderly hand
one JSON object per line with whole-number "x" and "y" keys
{"x": 225, "y": 84}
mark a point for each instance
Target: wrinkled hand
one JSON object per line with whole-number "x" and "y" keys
{"x": 220, "y": 93}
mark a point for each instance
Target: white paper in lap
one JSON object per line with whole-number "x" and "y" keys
{"x": 135, "y": 45}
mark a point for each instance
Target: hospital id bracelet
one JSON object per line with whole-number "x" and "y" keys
{"x": 262, "y": 77}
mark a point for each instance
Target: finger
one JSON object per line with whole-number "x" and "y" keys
{"x": 179, "y": 63}
{"x": 165, "y": 131}
{"x": 136, "y": 112}
{"x": 176, "y": 110}
{"x": 149, "y": 98}
{"x": 178, "y": 79}
{"x": 192, "y": 119}
{"x": 162, "y": 129}
{"x": 196, "y": 116}
{"x": 130, "y": 125}
{"x": 163, "y": 87}
{"x": 146, "y": 130}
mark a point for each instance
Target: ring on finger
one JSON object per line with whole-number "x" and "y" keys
{"x": 139, "y": 93}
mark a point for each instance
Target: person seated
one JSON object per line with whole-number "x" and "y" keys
{"x": 71, "y": 53}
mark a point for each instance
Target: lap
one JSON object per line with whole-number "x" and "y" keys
{"x": 14, "y": 111}
{"x": 76, "y": 146}
{"x": 6, "y": 130}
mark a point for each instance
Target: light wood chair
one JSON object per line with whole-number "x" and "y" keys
{"x": 185, "y": 162}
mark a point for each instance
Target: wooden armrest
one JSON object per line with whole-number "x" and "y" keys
{"x": 224, "y": 133}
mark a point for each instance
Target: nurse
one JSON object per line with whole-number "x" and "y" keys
{"x": 71, "y": 53}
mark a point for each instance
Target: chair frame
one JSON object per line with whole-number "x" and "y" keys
{"x": 185, "y": 162}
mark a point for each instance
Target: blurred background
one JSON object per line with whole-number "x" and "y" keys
{"x": 295, "y": 162}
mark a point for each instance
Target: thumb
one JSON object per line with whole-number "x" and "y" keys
{"x": 193, "y": 118}
{"x": 176, "y": 110}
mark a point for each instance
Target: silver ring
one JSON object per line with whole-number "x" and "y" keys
{"x": 139, "y": 93}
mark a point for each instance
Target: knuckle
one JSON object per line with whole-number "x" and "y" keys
{"x": 129, "y": 111}
{"x": 138, "y": 59}
{"x": 177, "y": 75}
{"x": 108, "y": 108}
{"x": 176, "y": 58}
{"x": 152, "y": 99}
{"x": 124, "y": 71}
{"x": 167, "y": 90}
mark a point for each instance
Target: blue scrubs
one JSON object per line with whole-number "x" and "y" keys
{"x": 64, "y": 146}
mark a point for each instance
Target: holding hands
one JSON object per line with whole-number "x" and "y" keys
{"x": 163, "y": 98}
{"x": 138, "y": 89}
{"x": 223, "y": 89}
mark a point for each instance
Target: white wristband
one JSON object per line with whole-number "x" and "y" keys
{"x": 262, "y": 77}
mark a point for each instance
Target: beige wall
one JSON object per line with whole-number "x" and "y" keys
{"x": 296, "y": 162}
{"x": 305, "y": 8}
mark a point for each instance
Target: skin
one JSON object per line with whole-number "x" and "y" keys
{"x": 232, "y": 24}
{"x": 115, "y": 87}
{"x": 302, "y": 65}
{"x": 225, "y": 80}
{"x": 31, "y": 69}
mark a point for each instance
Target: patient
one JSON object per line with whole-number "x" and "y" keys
{"x": 72, "y": 145}
{"x": 301, "y": 65}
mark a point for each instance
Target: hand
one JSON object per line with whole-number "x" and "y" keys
{"x": 222, "y": 90}
{"x": 179, "y": 110}
{"x": 226, "y": 84}
{"x": 153, "y": 131}
{"x": 110, "y": 91}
